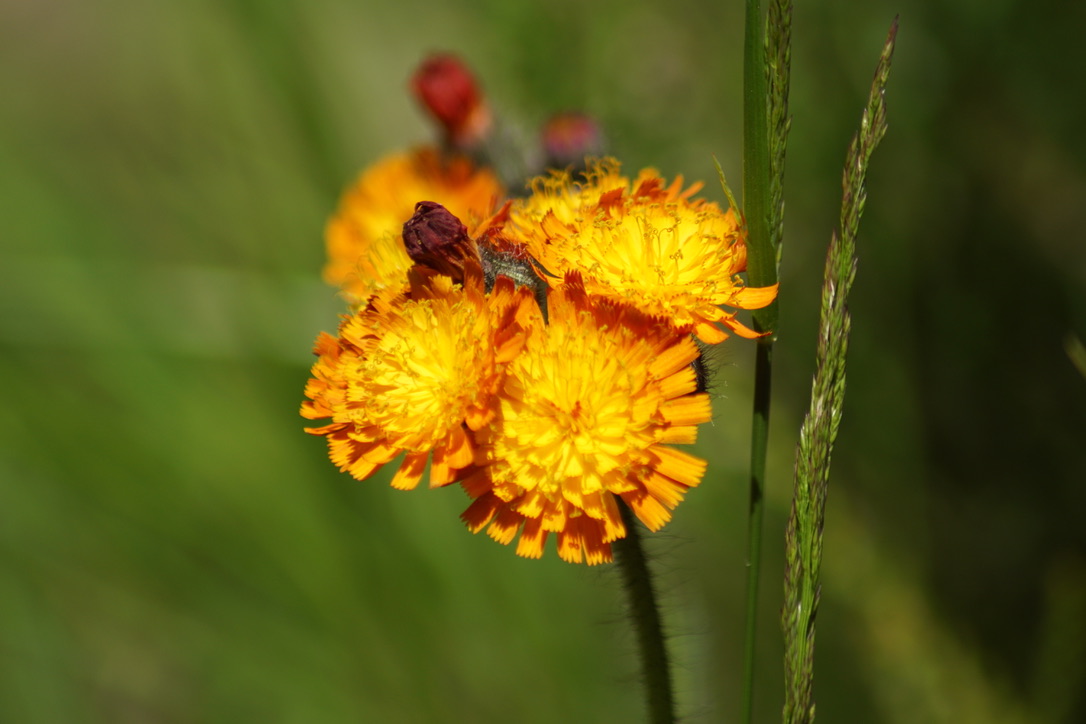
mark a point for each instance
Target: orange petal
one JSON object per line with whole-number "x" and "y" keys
{"x": 477, "y": 483}
{"x": 457, "y": 451}
{"x": 324, "y": 430}
{"x": 681, "y": 435}
{"x": 531, "y": 504}
{"x": 613, "y": 527}
{"x": 648, "y": 509}
{"x": 680, "y": 466}
{"x": 570, "y": 544}
{"x": 679, "y": 384}
{"x": 314, "y": 409}
{"x": 480, "y": 512}
{"x": 674, "y": 359}
{"x": 665, "y": 490}
{"x": 497, "y": 221}
{"x": 556, "y": 516}
{"x": 532, "y": 539}
{"x": 753, "y": 297}
{"x": 596, "y": 551}
{"x": 505, "y": 526}
{"x": 742, "y": 330}
{"x": 410, "y": 472}
{"x": 709, "y": 333}
{"x": 377, "y": 451}
{"x": 687, "y": 410}
{"x": 356, "y": 457}
{"x": 479, "y": 417}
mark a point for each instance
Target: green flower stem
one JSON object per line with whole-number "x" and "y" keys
{"x": 803, "y": 537}
{"x": 645, "y": 615}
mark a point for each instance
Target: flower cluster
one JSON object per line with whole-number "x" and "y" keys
{"x": 543, "y": 352}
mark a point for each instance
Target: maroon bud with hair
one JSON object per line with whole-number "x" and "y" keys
{"x": 436, "y": 239}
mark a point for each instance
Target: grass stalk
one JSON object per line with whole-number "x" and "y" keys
{"x": 803, "y": 537}
{"x": 766, "y": 61}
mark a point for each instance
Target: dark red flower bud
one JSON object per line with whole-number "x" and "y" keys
{"x": 436, "y": 239}
{"x": 447, "y": 89}
{"x": 569, "y": 137}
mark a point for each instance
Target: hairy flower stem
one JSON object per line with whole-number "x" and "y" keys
{"x": 645, "y": 616}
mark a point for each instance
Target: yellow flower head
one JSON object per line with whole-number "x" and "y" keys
{"x": 365, "y": 250}
{"x": 414, "y": 374}
{"x": 644, "y": 243}
{"x": 586, "y": 412}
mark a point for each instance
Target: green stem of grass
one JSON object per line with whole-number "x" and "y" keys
{"x": 803, "y": 537}
{"x": 763, "y": 369}
{"x": 645, "y": 615}
{"x": 765, "y": 129}
{"x": 755, "y": 201}
{"x": 761, "y": 256}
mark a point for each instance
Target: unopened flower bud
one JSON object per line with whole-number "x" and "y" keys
{"x": 436, "y": 239}
{"x": 447, "y": 89}
{"x": 569, "y": 137}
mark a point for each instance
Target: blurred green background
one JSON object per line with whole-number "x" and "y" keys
{"x": 174, "y": 549}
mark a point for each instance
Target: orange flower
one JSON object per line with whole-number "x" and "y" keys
{"x": 365, "y": 248}
{"x": 587, "y": 413}
{"x": 414, "y": 375}
{"x": 643, "y": 243}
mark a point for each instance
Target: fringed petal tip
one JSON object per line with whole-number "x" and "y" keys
{"x": 754, "y": 297}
